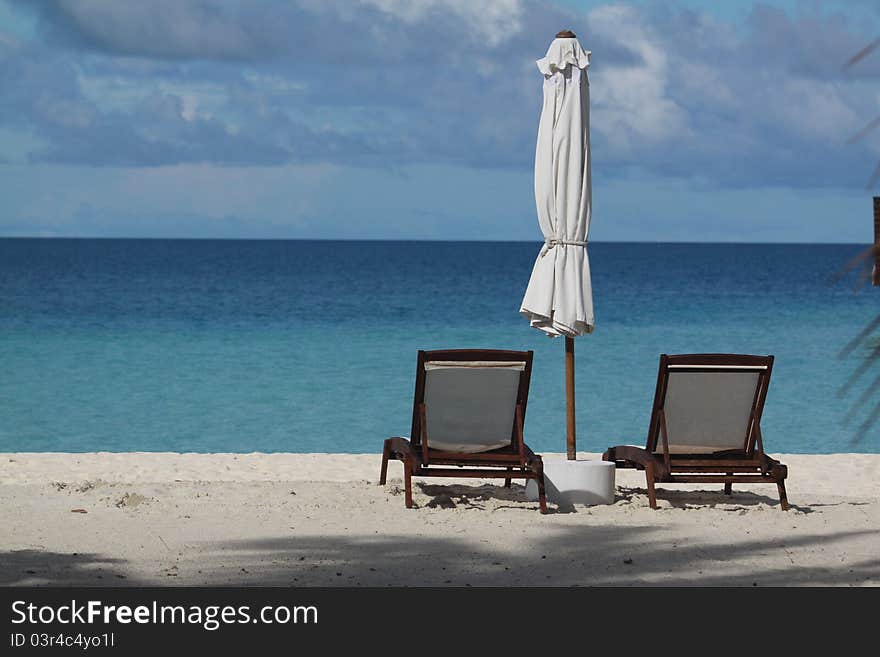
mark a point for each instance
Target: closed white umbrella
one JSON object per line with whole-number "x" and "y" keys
{"x": 559, "y": 296}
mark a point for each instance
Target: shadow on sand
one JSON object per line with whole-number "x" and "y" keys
{"x": 40, "y": 567}
{"x": 619, "y": 552}
{"x": 587, "y": 556}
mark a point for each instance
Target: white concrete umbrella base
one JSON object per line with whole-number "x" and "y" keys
{"x": 576, "y": 482}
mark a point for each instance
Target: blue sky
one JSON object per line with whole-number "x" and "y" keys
{"x": 399, "y": 119}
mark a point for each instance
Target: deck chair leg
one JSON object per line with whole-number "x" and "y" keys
{"x": 507, "y": 479}
{"x": 542, "y": 493}
{"x": 649, "y": 479}
{"x": 783, "y": 498}
{"x": 407, "y": 484}
{"x": 386, "y": 452}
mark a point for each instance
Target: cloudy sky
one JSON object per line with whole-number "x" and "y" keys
{"x": 416, "y": 119}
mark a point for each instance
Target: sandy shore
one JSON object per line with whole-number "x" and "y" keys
{"x": 320, "y": 519}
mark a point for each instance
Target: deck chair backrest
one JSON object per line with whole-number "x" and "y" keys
{"x": 710, "y": 402}
{"x": 470, "y": 404}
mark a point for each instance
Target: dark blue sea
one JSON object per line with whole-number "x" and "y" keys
{"x": 310, "y": 346}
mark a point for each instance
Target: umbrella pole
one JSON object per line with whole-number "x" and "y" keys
{"x": 569, "y": 399}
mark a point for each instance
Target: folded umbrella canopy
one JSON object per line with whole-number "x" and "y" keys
{"x": 559, "y": 297}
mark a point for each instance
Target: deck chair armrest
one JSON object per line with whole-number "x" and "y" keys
{"x": 400, "y": 448}
{"x": 776, "y": 468}
{"x": 400, "y": 444}
{"x": 532, "y": 460}
{"x": 630, "y": 456}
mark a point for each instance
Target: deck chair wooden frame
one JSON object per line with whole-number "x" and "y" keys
{"x": 875, "y": 273}
{"x": 750, "y": 464}
{"x": 513, "y": 461}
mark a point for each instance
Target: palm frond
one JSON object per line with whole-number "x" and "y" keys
{"x": 861, "y": 54}
{"x": 868, "y": 261}
{"x": 861, "y": 134}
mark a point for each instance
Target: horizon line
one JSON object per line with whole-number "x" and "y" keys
{"x": 409, "y": 240}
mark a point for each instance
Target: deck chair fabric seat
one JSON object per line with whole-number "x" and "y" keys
{"x": 468, "y": 411}
{"x": 470, "y": 405}
{"x": 706, "y": 425}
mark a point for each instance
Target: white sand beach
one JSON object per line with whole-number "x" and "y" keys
{"x": 111, "y": 519}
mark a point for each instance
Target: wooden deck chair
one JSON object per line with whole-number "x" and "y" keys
{"x": 706, "y": 425}
{"x": 468, "y": 412}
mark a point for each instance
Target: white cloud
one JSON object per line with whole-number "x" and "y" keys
{"x": 172, "y": 25}
{"x": 812, "y": 109}
{"x": 632, "y": 103}
{"x": 409, "y": 82}
{"x": 493, "y": 20}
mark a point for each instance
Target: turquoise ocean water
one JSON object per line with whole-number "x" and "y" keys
{"x": 310, "y": 346}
